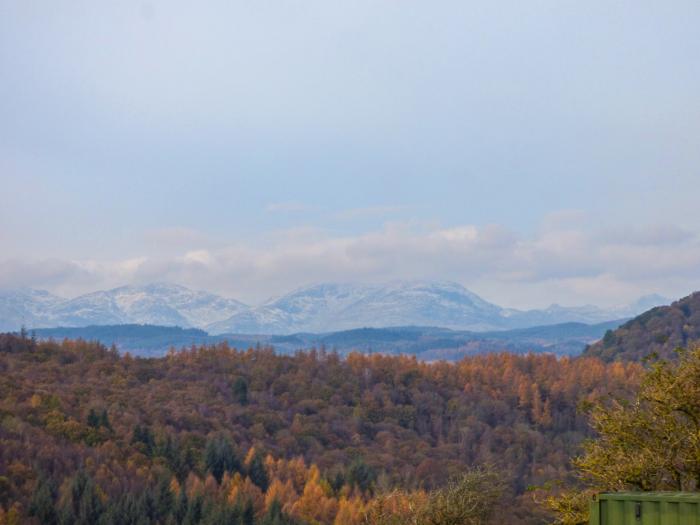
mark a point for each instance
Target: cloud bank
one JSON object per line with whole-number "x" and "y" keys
{"x": 563, "y": 262}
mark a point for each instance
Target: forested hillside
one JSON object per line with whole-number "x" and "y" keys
{"x": 659, "y": 331}
{"x": 426, "y": 343}
{"x": 215, "y": 430}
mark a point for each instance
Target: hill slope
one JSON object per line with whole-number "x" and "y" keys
{"x": 372, "y": 422}
{"x": 660, "y": 330}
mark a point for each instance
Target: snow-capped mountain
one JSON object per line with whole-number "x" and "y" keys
{"x": 318, "y": 308}
{"x": 161, "y": 304}
{"x": 421, "y": 304}
{"x": 25, "y": 307}
{"x": 331, "y": 307}
{"x": 311, "y": 308}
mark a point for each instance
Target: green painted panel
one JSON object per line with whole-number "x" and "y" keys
{"x": 629, "y": 507}
{"x": 650, "y": 513}
{"x": 646, "y": 508}
{"x": 688, "y": 513}
{"x": 669, "y": 511}
{"x": 616, "y": 512}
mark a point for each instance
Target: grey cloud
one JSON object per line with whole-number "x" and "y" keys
{"x": 553, "y": 264}
{"x": 54, "y": 274}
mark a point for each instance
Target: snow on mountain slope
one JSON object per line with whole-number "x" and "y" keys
{"x": 25, "y": 307}
{"x": 160, "y": 304}
{"x": 311, "y": 308}
{"x": 182, "y": 306}
{"x": 330, "y": 306}
{"x": 421, "y": 303}
{"x": 93, "y": 308}
{"x": 318, "y": 308}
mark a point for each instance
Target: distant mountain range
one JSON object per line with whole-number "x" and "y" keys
{"x": 319, "y": 308}
{"x": 427, "y": 343}
{"x": 158, "y": 304}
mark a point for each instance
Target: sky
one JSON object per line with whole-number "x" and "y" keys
{"x": 536, "y": 152}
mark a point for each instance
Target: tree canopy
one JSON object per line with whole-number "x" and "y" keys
{"x": 86, "y": 431}
{"x": 647, "y": 442}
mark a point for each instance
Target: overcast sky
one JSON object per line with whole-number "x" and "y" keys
{"x": 536, "y": 152}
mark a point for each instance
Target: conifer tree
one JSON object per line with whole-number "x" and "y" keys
{"x": 220, "y": 457}
{"x": 42, "y": 505}
{"x": 257, "y": 472}
{"x": 93, "y": 419}
{"x": 239, "y": 388}
{"x": 104, "y": 420}
{"x": 83, "y": 506}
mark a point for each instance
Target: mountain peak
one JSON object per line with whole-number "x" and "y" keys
{"x": 333, "y": 306}
{"x": 320, "y": 307}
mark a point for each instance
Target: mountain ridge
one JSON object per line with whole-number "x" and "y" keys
{"x": 156, "y": 303}
{"x": 402, "y": 303}
{"x": 323, "y": 307}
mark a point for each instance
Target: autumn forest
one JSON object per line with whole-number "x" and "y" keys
{"x": 218, "y": 435}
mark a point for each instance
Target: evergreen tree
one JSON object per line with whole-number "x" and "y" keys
{"x": 83, "y": 506}
{"x": 239, "y": 388}
{"x": 181, "y": 507}
{"x": 361, "y": 475}
{"x": 275, "y": 516}
{"x": 104, "y": 420}
{"x": 220, "y": 457}
{"x": 248, "y": 517}
{"x": 66, "y": 516}
{"x": 123, "y": 511}
{"x": 194, "y": 511}
{"x": 143, "y": 438}
{"x": 258, "y": 472}
{"x": 93, "y": 419}
{"x": 163, "y": 498}
{"x": 145, "y": 505}
{"x": 222, "y": 513}
{"x": 42, "y": 505}
{"x": 337, "y": 481}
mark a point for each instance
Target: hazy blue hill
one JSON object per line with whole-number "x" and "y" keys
{"x": 562, "y": 330}
{"x": 442, "y": 343}
{"x": 139, "y": 339}
{"x": 425, "y": 342}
